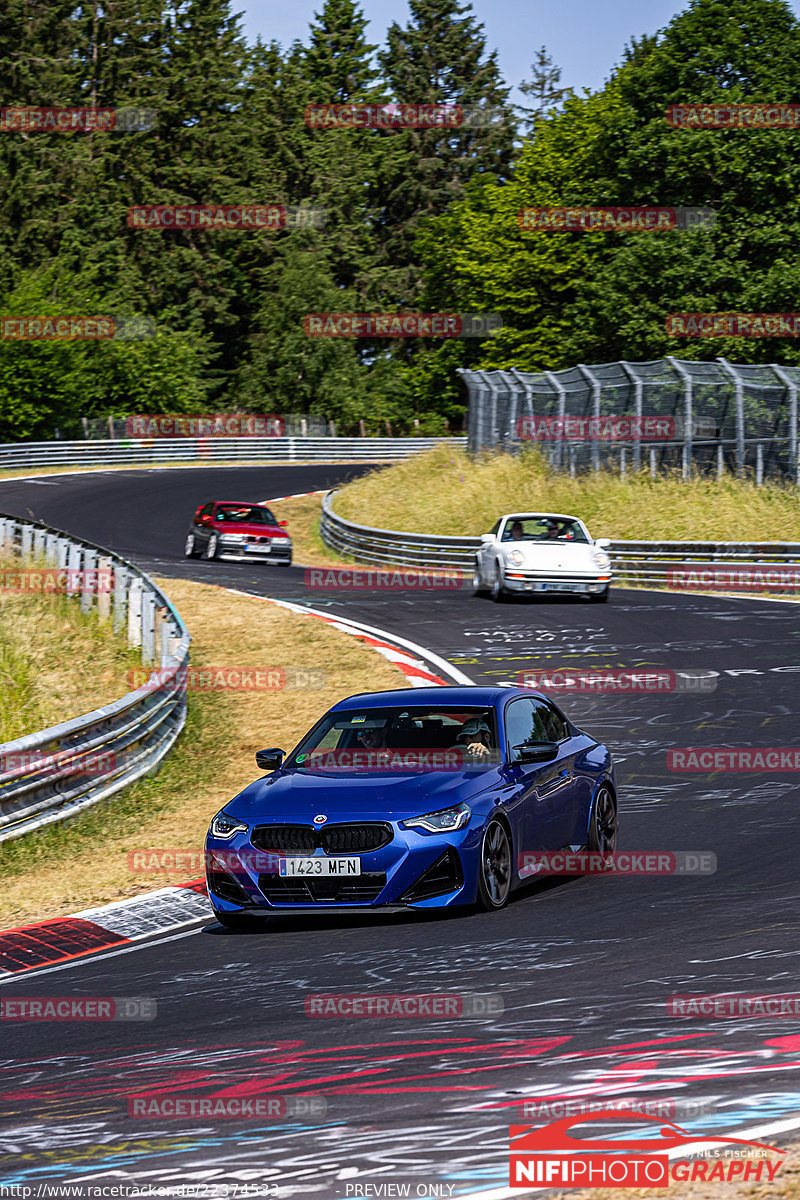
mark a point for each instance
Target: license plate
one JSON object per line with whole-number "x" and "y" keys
{"x": 259, "y": 549}
{"x": 319, "y": 866}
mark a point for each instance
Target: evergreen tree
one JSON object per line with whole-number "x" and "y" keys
{"x": 542, "y": 88}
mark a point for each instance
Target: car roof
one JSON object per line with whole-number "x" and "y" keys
{"x": 242, "y": 503}
{"x": 557, "y": 516}
{"x": 451, "y": 695}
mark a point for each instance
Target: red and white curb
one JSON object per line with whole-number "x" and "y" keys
{"x": 416, "y": 662}
{"x": 122, "y": 923}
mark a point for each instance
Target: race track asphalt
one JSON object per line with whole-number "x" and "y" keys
{"x": 584, "y": 966}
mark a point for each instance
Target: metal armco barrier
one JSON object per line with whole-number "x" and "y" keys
{"x": 130, "y": 451}
{"x": 57, "y": 772}
{"x": 637, "y": 562}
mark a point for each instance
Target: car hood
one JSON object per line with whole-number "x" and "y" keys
{"x": 249, "y": 527}
{"x": 567, "y": 555}
{"x": 297, "y": 795}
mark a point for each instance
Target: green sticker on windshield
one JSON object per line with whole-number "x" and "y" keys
{"x": 302, "y": 757}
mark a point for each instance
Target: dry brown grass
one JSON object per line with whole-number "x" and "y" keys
{"x": 444, "y": 491}
{"x": 44, "y": 643}
{"x": 308, "y": 548}
{"x": 85, "y": 862}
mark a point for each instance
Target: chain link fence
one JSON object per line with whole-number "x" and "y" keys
{"x": 717, "y": 416}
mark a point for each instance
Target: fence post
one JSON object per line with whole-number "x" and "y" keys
{"x": 148, "y": 626}
{"x": 104, "y": 578}
{"x": 759, "y": 464}
{"x": 120, "y": 598}
{"x": 135, "y": 590}
{"x": 688, "y": 415}
{"x": 26, "y": 540}
{"x": 572, "y": 462}
{"x": 596, "y": 388}
{"x": 638, "y": 392}
{"x": 739, "y": 386}
{"x": 88, "y": 580}
{"x": 561, "y": 392}
{"x": 622, "y": 462}
{"x": 788, "y": 382}
{"x": 652, "y": 462}
{"x": 720, "y": 460}
{"x": 73, "y": 568}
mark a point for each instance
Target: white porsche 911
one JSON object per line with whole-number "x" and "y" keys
{"x": 542, "y": 552}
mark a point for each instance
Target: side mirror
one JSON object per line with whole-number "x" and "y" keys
{"x": 206, "y": 519}
{"x": 536, "y": 752}
{"x": 283, "y": 524}
{"x": 269, "y": 760}
{"x": 487, "y": 537}
{"x": 602, "y": 542}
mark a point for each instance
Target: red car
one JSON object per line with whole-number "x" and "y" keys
{"x": 238, "y": 529}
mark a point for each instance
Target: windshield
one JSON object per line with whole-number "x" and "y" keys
{"x": 400, "y": 739}
{"x": 542, "y": 529}
{"x": 250, "y": 514}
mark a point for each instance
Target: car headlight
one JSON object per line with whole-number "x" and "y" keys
{"x": 225, "y": 827}
{"x": 516, "y": 557}
{"x": 443, "y": 821}
{"x": 601, "y": 559}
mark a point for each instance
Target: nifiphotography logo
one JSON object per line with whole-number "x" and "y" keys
{"x": 549, "y": 1155}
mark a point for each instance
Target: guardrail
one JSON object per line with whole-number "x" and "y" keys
{"x": 57, "y": 772}
{"x": 132, "y": 451}
{"x": 637, "y": 562}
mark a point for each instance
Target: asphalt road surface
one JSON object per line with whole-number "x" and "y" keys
{"x": 584, "y": 966}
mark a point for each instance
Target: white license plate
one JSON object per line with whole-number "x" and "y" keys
{"x": 258, "y": 549}
{"x": 319, "y": 866}
{"x": 560, "y": 587}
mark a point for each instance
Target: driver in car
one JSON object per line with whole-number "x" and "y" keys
{"x": 475, "y": 737}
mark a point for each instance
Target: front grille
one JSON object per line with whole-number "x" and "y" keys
{"x": 333, "y": 889}
{"x": 333, "y": 839}
{"x": 289, "y": 839}
{"x": 355, "y": 839}
{"x": 444, "y": 876}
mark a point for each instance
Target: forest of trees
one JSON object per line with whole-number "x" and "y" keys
{"x": 416, "y": 220}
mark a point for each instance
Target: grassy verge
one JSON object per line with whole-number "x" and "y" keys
{"x": 308, "y": 548}
{"x": 444, "y": 491}
{"x": 84, "y": 862}
{"x": 45, "y": 642}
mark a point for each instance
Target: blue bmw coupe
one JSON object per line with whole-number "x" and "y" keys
{"x": 412, "y": 799}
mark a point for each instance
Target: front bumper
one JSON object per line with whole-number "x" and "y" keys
{"x": 517, "y": 580}
{"x": 414, "y": 870}
{"x": 244, "y": 548}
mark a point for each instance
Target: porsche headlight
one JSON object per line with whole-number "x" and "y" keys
{"x": 225, "y": 827}
{"x": 516, "y": 557}
{"x": 444, "y": 821}
{"x": 601, "y": 559}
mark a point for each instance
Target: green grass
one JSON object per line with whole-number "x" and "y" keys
{"x": 445, "y": 491}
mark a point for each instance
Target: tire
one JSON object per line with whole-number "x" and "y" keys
{"x": 231, "y": 920}
{"x": 189, "y": 549}
{"x": 599, "y": 597}
{"x": 211, "y": 548}
{"x": 498, "y": 592}
{"x": 603, "y": 823}
{"x": 495, "y": 870}
{"x": 478, "y": 586}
